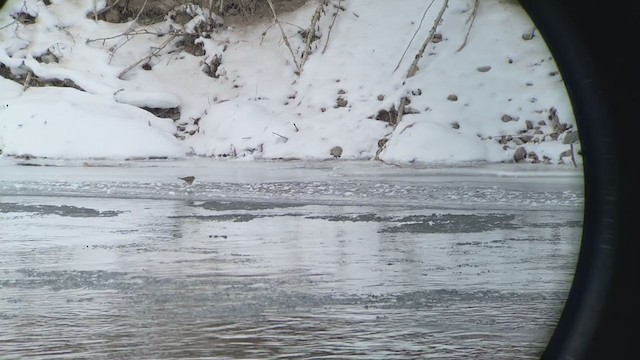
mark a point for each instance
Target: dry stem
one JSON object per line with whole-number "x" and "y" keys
{"x": 333, "y": 21}
{"x": 471, "y": 19}
{"x": 311, "y": 32}
{"x": 284, "y": 36}
{"x": 146, "y": 58}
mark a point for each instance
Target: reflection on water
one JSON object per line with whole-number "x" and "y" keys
{"x": 165, "y": 278}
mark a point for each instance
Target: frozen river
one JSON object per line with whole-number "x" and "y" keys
{"x": 284, "y": 260}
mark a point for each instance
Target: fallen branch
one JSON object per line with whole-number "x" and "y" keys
{"x": 284, "y": 137}
{"x": 311, "y": 32}
{"x": 155, "y": 52}
{"x": 284, "y": 36}
{"x": 414, "y": 66}
{"x": 413, "y": 37}
{"x": 471, "y": 19}
{"x": 333, "y": 21}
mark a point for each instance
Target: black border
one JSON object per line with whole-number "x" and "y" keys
{"x": 589, "y": 42}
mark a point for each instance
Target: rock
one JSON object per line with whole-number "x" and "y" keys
{"x": 336, "y": 151}
{"x": 455, "y": 125}
{"x": 519, "y": 154}
{"x": 380, "y": 97}
{"x": 507, "y": 118}
{"x": 483, "y": 68}
{"x": 529, "y": 124}
{"x": 542, "y": 123}
{"x": 436, "y": 38}
{"x": 526, "y": 138}
{"x": 340, "y": 102}
{"x": 452, "y": 97}
{"x": 527, "y": 36}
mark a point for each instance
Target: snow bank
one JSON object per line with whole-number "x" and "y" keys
{"x": 67, "y": 123}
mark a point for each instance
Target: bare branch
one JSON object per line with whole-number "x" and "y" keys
{"x": 153, "y": 53}
{"x": 284, "y": 36}
{"x": 471, "y": 19}
{"x": 414, "y": 66}
{"x": 311, "y": 32}
{"x": 413, "y": 37}
{"x": 333, "y": 21}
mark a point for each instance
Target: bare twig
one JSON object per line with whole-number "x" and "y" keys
{"x": 471, "y": 19}
{"x": 155, "y": 52}
{"x": 9, "y": 24}
{"x": 130, "y": 33}
{"x": 27, "y": 81}
{"x": 311, "y": 32}
{"x": 414, "y": 66}
{"x": 284, "y": 137}
{"x": 139, "y": 13}
{"x": 107, "y": 8}
{"x": 333, "y": 21}
{"x": 414, "y": 35}
{"x": 284, "y": 36}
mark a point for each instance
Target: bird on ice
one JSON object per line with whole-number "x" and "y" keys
{"x": 187, "y": 179}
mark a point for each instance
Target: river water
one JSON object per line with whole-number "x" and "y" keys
{"x": 284, "y": 260}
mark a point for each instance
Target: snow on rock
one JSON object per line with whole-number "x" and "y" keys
{"x": 67, "y": 123}
{"x": 148, "y": 99}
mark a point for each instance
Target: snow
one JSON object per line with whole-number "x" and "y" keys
{"x": 254, "y": 106}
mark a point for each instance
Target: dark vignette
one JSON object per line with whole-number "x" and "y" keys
{"x": 595, "y": 323}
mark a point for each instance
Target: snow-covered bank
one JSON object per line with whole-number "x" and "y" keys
{"x": 233, "y": 92}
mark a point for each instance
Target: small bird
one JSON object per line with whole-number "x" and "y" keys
{"x": 187, "y": 179}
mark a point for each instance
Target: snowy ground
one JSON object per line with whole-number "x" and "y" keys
{"x": 481, "y": 103}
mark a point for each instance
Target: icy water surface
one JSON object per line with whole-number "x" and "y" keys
{"x": 284, "y": 260}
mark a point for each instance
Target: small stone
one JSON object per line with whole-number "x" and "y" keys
{"x": 519, "y": 154}
{"x": 340, "y": 102}
{"x": 529, "y": 83}
{"x": 529, "y": 124}
{"x": 436, "y": 38}
{"x": 452, "y": 97}
{"x": 455, "y": 125}
{"x": 380, "y": 97}
{"x": 484, "y": 68}
{"x": 341, "y": 91}
{"x": 382, "y": 142}
{"x": 416, "y": 92}
{"x": 506, "y": 118}
{"x": 538, "y": 132}
{"x": 526, "y": 138}
{"x": 527, "y": 36}
{"x": 542, "y": 123}
{"x": 336, "y": 151}
{"x": 146, "y": 66}
{"x": 519, "y": 141}
{"x": 323, "y": 109}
